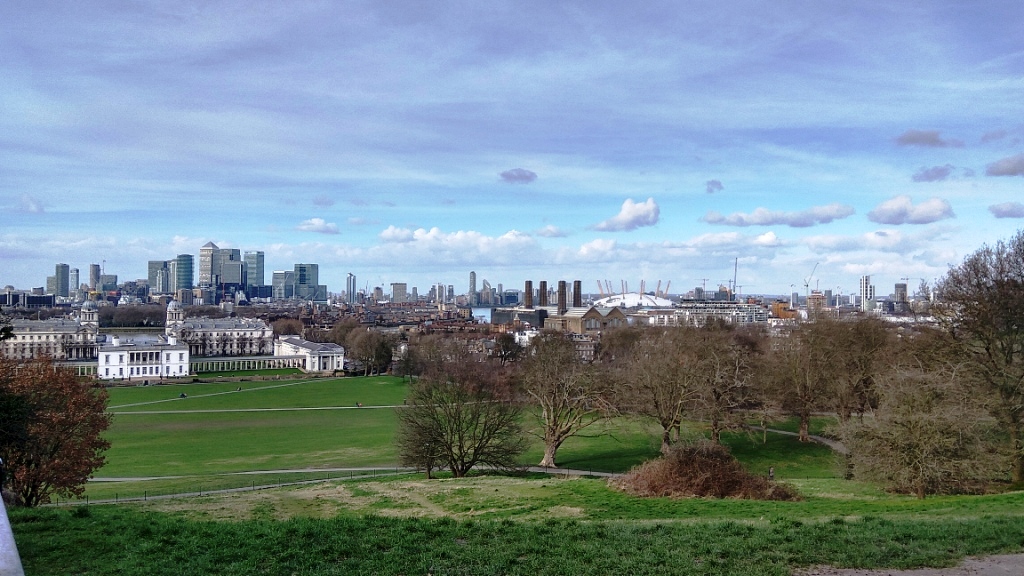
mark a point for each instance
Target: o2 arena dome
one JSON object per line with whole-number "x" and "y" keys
{"x": 633, "y": 300}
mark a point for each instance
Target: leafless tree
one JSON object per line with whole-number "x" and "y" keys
{"x": 981, "y": 304}
{"x": 569, "y": 393}
{"x": 460, "y": 415}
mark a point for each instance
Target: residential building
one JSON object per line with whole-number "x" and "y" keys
{"x": 867, "y": 294}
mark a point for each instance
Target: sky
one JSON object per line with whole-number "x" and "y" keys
{"x": 410, "y": 141}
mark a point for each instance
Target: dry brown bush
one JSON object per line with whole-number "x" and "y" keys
{"x": 701, "y": 469}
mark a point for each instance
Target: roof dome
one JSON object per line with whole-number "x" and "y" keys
{"x": 634, "y": 300}
{"x": 89, "y": 305}
{"x": 173, "y": 306}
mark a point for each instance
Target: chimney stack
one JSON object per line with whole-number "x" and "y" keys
{"x": 528, "y": 294}
{"x": 543, "y": 295}
{"x": 561, "y": 298}
{"x": 577, "y": 293}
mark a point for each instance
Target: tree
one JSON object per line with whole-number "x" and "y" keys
{"x": 569, "y": 392}
{"x": 723, "y": 364}
{"x": 506, "y": 348}
{"x": 981, "y": 304}
{"x": 59, "y": 446}
{"x": 459, "y": 415}
{"x": 798, "y": 373}
{"x": 858, "y": 354}
{"x": 372, "y": 348}
{"x": 656, "y": 379}
{"x": 929, "y": 435}
{"x": 287, "y": 326}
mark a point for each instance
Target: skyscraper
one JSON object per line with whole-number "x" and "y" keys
{"x": 61, "y": 279}
{"x": 867, "y": 293}
{"x": 472, "y": 289}
{"x": 350, "y": 288}
{"x": 209, "y": 264}
{"x": 399, "y": 292}
{"x": 94, "y": 276}
{"x": 283, "y": 284}
{"x": 307, "y": 280}
{"x": 254, "y": 268}
{"x": 183, "y": 273}
{"x": 154, "y": 270}
{"x": 73, "y": 280}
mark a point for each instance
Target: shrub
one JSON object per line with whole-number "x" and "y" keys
{"x": 700, "y": 469}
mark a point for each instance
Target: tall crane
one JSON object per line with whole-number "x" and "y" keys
{"x": 807, "y": 281}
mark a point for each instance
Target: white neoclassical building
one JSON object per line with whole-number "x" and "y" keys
{"x": 65, "y": 339}
{"x": 219, "y": 336}
{"x": 144, "y": 359}
{"x": 319, "y": 356}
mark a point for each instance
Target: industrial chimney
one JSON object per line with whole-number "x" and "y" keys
{"x": 577, "y": 293}
{"x": 561, "y": 298}
{"x": 542, "y": 296}
{"x": 528, "y": 294}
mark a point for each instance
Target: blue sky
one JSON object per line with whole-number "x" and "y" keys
{"x": 416, "y": 141}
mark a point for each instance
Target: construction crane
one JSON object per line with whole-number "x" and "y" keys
{"x": 807, "y": 281}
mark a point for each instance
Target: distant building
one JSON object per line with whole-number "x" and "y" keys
{"x": 94, "y": 277}
{"x": 399, "y": 292}
{"x": 698, "y": 313}
{"x": 283, "y": 285}
{"x": 319, "y": 356}
{"x": 183, "y": 273}
{"x": 143, "y": 359}
{"x": 254, "y": 264}
{"x": 350, "y": 288}
{"x": 867, "y": 293}
{"x": 60, "y": 338}
{"x": 61, "y": 275}
{"x": 219, "y": 336}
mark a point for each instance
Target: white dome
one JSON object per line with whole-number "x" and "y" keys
{"x": 634, "y": 300}
{"x": 173, "y": 306}
{"x": 88, "y": 305}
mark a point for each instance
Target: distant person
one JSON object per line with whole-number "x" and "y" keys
{"x": 771, "y": 473}
{"x": 183, "y": 395}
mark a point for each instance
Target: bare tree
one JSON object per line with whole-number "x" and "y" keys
{"x": 724, "y": 380}
{"x": 981, "y": 303}
{"x": 798, "y": 373}
{"x": 929, "y": 435}
{"x": 460, "y": 414}
{"x": 570, "y": 394}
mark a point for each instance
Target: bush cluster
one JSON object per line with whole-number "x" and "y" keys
{"x": 702, "y": 469}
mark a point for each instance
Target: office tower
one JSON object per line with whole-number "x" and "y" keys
{"x": 472, "y": 289}
{"x": 451, "y": 293}
{"x": 229, "y": 258}
{"x": 108, "y": 282}
{"x": 399, "y": 292}
{"x": 254, "y": 270}
{"x": 307, "y": 281}
{"x": 901, "y": 293}
{"x": 183, "y": 272}
{"x": 828, "y": 297}
{"x": 282, "y": 285}
{"x": 61, "y": 279}
{"x": 51, "y": 285}
{"x": 350, "y": 288}
{"x": 94, "y": 276}
{"x": 232, "y": 272}
{"x": 378, "y": 294}
{"x": 415, "y": 296}
{"x": 867, "y": 293}
{"x": 209, "y": 259}
{"x": 73, "y": 280}
{"x": 158, "y": 276}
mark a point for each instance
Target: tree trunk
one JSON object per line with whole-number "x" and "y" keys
{"x": 666, "y": 440}
{"x": 805, "y": 420}
{"x": 1017, "y": 473}
{"x": 549, "y": 456}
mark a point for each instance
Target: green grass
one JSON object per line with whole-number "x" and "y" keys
{"x": 234, "y": 373}
{"x": 127, "y": 541}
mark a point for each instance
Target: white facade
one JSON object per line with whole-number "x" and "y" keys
{"x": 698, "y": 313}
{"x": 319, "y": 356}
{"x": 61, "y": 338}
{"x": 143, "y": 360}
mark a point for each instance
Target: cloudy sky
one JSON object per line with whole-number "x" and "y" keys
{"x": 410, "y": 141}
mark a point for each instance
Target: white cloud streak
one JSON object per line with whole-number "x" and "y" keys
{"x": 633, "y": 215}
{"x": 766, "y": 217}
{"x": 901, "y": 210}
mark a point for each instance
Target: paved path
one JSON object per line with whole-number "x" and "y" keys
{"x": 833, "y": 444}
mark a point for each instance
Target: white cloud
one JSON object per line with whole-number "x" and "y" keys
{"x": 901, "y": 210}
{"x": 766, "y": 217}
{"x": 1010, "y": 166}
{"x": 1007, "y": 210}
{"x": 551, "y": 231}
{"x": 392, "y": 234}
{"x": 631, "y": 216}
{"x": 318, "y": 225}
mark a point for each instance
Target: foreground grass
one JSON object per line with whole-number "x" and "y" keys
{"x": 124, "y": 540}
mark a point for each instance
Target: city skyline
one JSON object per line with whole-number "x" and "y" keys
{"x": 406, "y": 143}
